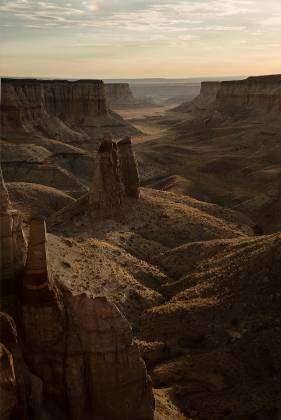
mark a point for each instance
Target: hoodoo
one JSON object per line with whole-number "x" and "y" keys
{"x": 80, "y": 347}
{"x": 42, "y": 316}
{"x": 128, "y": 167}
{"x": 107, "y": 192}
{"x": 41, "y": 309}
{"x": 12, "y": 243}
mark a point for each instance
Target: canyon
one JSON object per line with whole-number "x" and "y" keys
{"x": 50, "y": 129}
{"x": 141, "y": 264}
{"x": 229, "y": 135}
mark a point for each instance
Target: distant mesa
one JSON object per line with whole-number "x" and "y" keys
{"x": 243, "y": 98}
{"x": 120, "y": 95}
{"x": 75, "y": 112}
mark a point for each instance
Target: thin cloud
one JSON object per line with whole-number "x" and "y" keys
{"x": 172, "y": 17}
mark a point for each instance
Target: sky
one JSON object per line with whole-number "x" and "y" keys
{"x": 139, "y": 38}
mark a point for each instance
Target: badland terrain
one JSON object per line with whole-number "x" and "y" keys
{"x": 140, "y": 251}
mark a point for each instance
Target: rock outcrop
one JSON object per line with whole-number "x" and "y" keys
{"x": 12, "y": 244}
{"x": 128, "y": 168}
{"x": 55, "y": 109}
{"x": 70, "y": 111}
{"x": 80, "y": 347}
{"x": 254, "y": 94}
{"x": 116, "y": 383}
{"x": 107, "y": 191}
{"x": 76, "y": 102}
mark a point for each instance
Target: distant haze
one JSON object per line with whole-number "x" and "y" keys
{"x": 139, "y": 38}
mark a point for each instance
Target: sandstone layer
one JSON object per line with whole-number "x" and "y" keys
{"x": 254, "y": 96}
{"x": 260, "y": 94}
{"x": 71, "y": 111}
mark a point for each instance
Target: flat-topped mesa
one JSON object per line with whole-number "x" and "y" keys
{"x": 261, "y": 93}
{"x": 75, "y": 101}
{"x": 12, "y": 244}
{"x": 107, "y": 192}
{"x": 22, "y": 104}
{"x": 60, "y": 109}
{"x": 128, "y": 167}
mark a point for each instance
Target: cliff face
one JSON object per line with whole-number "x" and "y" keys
{"x": 22, "y": 103}
{"x": 69, "y": 111}
{"x": 255, "y": 93}
{"x": 25, "y": 111}
{"x": 118, "y": 94}
{"x": 75, "y": 102}
{"x": 208, "y": 92}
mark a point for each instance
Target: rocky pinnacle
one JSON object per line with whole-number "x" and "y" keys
{"x": 107, "y": 192}
{"x": 128, "y": 167}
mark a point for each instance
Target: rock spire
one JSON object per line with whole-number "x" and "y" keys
{"x": 128, "y": 167}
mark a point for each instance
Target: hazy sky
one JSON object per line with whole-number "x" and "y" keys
{"x": 139, "y": 38}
